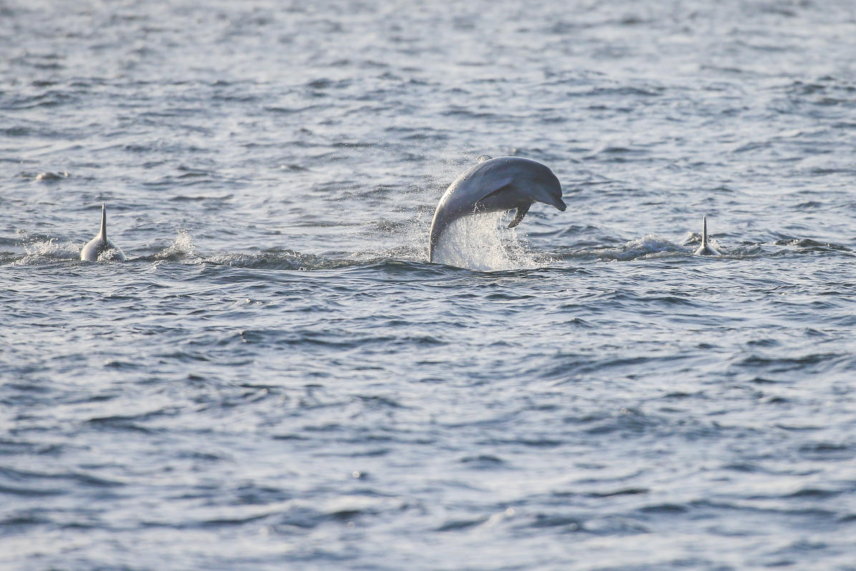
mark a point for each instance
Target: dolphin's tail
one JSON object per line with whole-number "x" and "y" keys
{"x": 436, "y": 230}
{"x": 103, "y": 233}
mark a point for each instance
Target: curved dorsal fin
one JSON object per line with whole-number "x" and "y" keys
{"x": 103, "y": 233}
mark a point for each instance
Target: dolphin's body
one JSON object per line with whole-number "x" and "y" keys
{"x": 705, "y": 249}
{"x": 495, "y": 185}
{"x": 100, "y": 243}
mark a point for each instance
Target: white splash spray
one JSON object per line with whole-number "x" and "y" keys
{"x": 484, "y": 242}
{"x": 181, "y": 247}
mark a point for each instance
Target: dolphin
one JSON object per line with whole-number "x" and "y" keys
{"x": 705, "y": 249}
{"x": 100, "y": 243}
{"x": 495, "y": 185}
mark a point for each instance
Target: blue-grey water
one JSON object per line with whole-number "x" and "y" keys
{"x": 277, "y": 378}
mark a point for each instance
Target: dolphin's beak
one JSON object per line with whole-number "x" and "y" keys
{"x": 559, "y": 203}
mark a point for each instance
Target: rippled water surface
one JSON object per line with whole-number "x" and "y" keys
{"x": 277, "y": 378}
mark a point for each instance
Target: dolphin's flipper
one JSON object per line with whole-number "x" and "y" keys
{"x": 518, "y": 218}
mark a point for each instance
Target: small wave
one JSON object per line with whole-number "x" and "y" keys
{"x": 809, "y": 244}
{"x": 648, "y": 247}
{"x": 181, "y": 247}
{"x": 273, "y": 260}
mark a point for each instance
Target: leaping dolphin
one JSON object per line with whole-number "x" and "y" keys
{"x": 495, "y": 185}
{"x": 705, "y": 249}
{"x": 100, "y": 243}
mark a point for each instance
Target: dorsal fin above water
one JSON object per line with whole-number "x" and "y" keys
{"x": 483, "y": 158}
{"x": 103, "y": 233}
{"x": 705, "y": 249}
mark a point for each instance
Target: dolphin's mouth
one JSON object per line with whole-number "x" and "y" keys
{"x": 560, "y": 204}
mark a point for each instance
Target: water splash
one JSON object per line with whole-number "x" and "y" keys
{"x": 110, "y": 255}
{"x": 484, "y": 242}
{"x": 45, "y": 251}
{"x": 181, "y": 247}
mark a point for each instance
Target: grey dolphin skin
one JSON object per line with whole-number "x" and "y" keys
{"x": 705, "y": 249}
{"x": 100, "y": 243}
{"x": 495, "y": 185}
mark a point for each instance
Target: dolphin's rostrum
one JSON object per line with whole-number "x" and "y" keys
{"x": 495, "y": 185}
{"x": 100, "y": 243}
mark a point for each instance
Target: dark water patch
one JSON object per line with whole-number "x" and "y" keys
{"x": 129, "y": 422}
{"x": 665, "y": 509}
{"x": 461, "y": 524}
{"x": 815, "y": 493}
{"x": 17, "y": 524}
{"x": 811, "y": 245}
{"x": 183, "y": 198}
{"x": 527, "y": 442}
{"x": 794, "y": 428}
{"x": 483, "y": 462}
{"x": 627, "y": 422}
{"x": 17, "y": 131}
{"x": 29, "y": 492}
{"x": 827, "y": 451}
{"x": 466, "y": 113}
{"x": 46, "y": 100}
{"x": 621, "y": 492}
{"x": 567, "y": 523}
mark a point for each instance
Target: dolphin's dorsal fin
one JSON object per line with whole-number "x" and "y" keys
{"x": 705, "y": 249}
{"x": 103, "y": 233}
{"x": 518, "y": 218}
{"x": 483, "y": 158}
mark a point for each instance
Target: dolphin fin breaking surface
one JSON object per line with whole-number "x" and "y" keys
{"x": 100, "y": 244}
{"x": 705, "y": 249}
{"x": 103, "y": 233}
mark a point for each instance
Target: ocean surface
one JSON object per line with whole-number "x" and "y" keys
{"x": 277, "y": 378}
